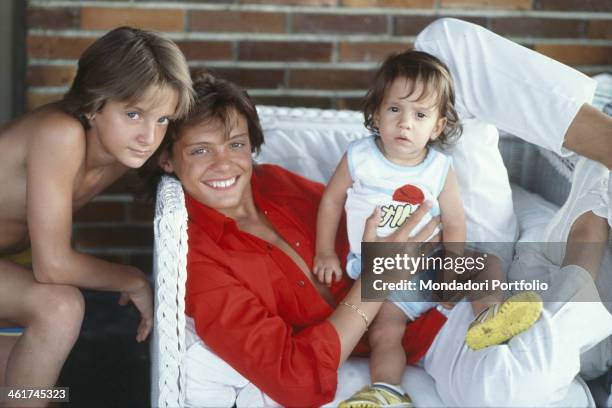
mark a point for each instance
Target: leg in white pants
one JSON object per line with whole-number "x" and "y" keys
{"x": 534, "y": 368}
{"x": 507, "y": 85}
{"x": 500, "y": 84}
{"x": 535, "y": 98}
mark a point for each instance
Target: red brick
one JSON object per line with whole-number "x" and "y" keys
{"x": 142, "y": 262}
{"x": 294, "y": 101}
{"x": 57, "y": 47}
{"x": 125, "y": 236}
{"x": 313, "y": 3}
{"x": 600, "y": 29}
{"x": 50, "y": 75}
{"x": 52, "y": 18}
{"x": 529, "y": 46}
{"x": 423, "y": 4}
{"x": 237, "y": 21}
{"x": 284, "y": 51}
{"x": 141, "y": 211}
{"x": 101, "y": 212}
{"x": 538, "y": 27}
{"x": 128, "y": 184}
{"x": 577, "y": 54}
{"x": 253, "y": 78}
{"x": 206, "y": 50}
{"x": 216, "y": 2}
{"x": 101, "y": 18}
{"x": 574, "y": 5}
{"x": 491, "y": 4}
{"x": 350, "y": 103}
{"x": 330, "y": 79}
{"x": 113, "y": 257}
{"x": 413, "y": 25}
{"x": 36, "y": 100}
{"x": 366, "y": 51}
{"x": 339, "y": 23}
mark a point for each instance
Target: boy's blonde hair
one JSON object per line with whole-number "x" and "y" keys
{"x": 121, "y": 66}
{"x": 419, "y": 67}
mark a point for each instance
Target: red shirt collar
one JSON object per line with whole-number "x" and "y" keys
{"x": 213, "y": 221}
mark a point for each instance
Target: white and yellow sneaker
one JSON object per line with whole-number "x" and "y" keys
{"x": 378, "y": 396}
{"x": 500, "y": 322}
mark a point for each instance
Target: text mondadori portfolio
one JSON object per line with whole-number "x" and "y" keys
{"x": 468, "y": 285}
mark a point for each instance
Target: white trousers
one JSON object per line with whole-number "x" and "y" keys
{"x": 534, "y": 368}
{"x": 501, "y": 84}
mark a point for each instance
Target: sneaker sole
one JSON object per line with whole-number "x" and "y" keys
{"x": 372, "y": 405}
{"x": 515, "y": 316}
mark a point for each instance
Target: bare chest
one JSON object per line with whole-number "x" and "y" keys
{"x": 267, "y": 232}
{"x": 14, "y": 196}
{"x": 88, "y": 185}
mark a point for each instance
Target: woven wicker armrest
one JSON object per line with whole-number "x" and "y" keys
{"x": 169, "y": 274}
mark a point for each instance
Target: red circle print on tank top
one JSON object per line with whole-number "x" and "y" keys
{"x": 409, "y": 194}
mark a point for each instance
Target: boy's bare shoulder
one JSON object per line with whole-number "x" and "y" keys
{"x": 53, "y": 130}
{"x": 50, "y": 122}
{"x": 47, "y": 129}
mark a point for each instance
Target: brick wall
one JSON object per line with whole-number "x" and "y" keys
{"x": 286, "y": 52}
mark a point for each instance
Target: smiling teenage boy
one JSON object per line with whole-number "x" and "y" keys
{"x": 129, "y": 84}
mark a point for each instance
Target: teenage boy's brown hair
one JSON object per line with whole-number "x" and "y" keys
{"x": 121, "y": 66}
{"x": 419, "y": 67}
{"x": 215, "y": 99}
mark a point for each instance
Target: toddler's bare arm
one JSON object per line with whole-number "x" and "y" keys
{"x": 326, "y": 263}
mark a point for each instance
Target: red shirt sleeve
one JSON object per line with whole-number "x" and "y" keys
{"x": 295, "y": 368}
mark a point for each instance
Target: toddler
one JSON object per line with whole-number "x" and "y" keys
{"x": 409, "y": 108}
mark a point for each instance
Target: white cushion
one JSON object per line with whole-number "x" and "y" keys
{"x": 292, "y": 136}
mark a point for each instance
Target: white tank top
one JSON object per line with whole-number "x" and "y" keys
{"x": 398, "y": 190}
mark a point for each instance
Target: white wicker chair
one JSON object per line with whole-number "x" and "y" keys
{"x": 546, "y": 175}
{"x": 169, "y": 275}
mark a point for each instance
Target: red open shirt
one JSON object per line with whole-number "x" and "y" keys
{"x": 253, "y": 306}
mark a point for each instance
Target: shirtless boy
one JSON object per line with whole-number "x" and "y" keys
{"x": 129, "y": 84}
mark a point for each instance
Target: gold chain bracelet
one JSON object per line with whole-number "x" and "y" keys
{"x": 358, "y": 310}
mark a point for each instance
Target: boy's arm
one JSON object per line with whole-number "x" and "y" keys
{"x": 55, "y": 157}
{"x": 331, "y": 207}
{"x": 452, "y": 215}
{"x": 327, "y": 266}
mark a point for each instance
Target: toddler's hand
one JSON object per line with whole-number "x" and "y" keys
{"x": 327, "y": 268}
